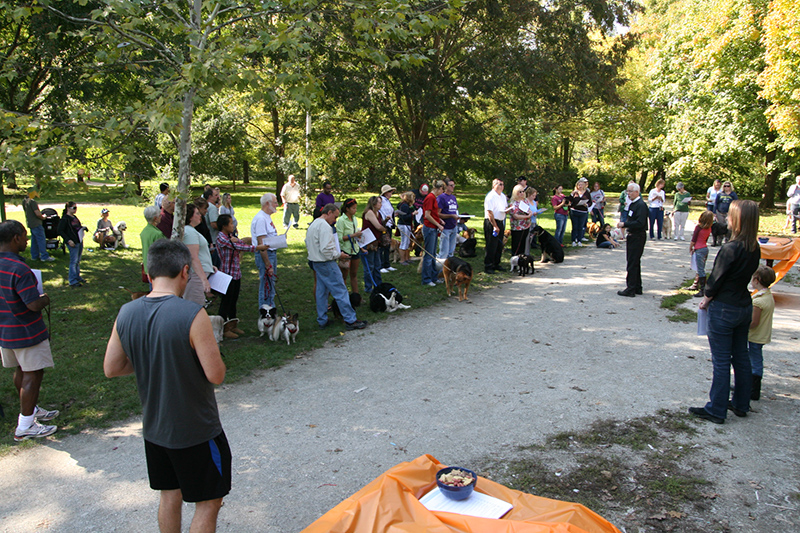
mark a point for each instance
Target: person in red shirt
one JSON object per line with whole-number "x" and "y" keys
{"x": 432, "y": 225}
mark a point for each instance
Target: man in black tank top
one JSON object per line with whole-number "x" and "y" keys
{"x": 168, "y": 343}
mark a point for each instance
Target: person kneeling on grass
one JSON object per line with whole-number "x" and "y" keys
{"x": 228, "y": 247}
{"x": 168, "y": 343}
{"x": 604, "y": 238}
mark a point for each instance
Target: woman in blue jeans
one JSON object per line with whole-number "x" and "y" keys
{"x": 69, "y": 229}
{"x": 580, "y": 200}
{"x": 560, "y": 206}
{"x": 730, "y": 311}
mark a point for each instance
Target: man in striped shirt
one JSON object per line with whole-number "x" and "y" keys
{"x": 24, "y": 340}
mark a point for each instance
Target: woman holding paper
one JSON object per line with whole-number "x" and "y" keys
{"x": 370, "y": 221}
{"x": 657, "y": 198}
{"x": 680, "y": 210}
{"x": 228, "y": 247}
{"x": 202, "y": 267}
{"x": 520, "y": 220}
{"x": 579, "y": 211}
{"x": 348, "y": 233}
{"x": 730, "y": 310}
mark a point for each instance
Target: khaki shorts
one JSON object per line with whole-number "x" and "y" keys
{"x": 29, "y": 359}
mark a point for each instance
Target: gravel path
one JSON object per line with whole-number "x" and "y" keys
{"x": 534, "y": 356}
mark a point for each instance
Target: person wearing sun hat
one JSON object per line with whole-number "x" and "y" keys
{"x": 104, "y": 234}
{"x": 34, "y": 217}
{"x": 387, "y": 219}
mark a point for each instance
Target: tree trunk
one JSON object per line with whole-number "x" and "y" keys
{"x": 280, "y": 151}
{"x": 643, "y": 179}
{"x": 565, "y": 153}
{"x": 246, "y": 172}
{"x": 233, "y": 175}
{"x": 771, "y": 176}
{"x": 184, "y": 165}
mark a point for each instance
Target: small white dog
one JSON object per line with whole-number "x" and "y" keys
{"x": 267, "y": 320}
{"x": 276, "y": 331}
{"x": 618, "y": 234}
{"x": 392, "y": 305}
{"x": 119, "y": 232}
{"x": 291, "y": 326}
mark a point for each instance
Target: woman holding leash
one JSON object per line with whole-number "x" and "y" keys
{"x": 520, "y": 220}
{"x": 370, "y": 220}
{"x": 71, "y": 231}
{"x": 730, "y": 311}
{"x": 348, "y": 234}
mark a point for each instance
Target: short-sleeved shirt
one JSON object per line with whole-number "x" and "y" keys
{"x": 192, "y": 236}
{"x": 19, "y": 326}
{"x": 679, "y": 204}
{"x": 598, "y": 198}
{"x": 519, "y": 224}
{"x": 262, "y": 226}
{"x": 324, "y": 199}
{"x": 29, "y": 205}
{"x": 211, "y": 216}
{"x": 291, "y": 194}
{"x": 762, "y": 333}
{"x": 430, "y": 205}
{"x": 712, "y": 194}
{"x": 657, "y": 198}
{"x": 148, "y": 236}
{"x": 448, "y": 205}
{"x": 496, "y": 203}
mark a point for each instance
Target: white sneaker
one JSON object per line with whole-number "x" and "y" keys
{"x": 574, "y": 244}
{"x": 384, "y": 271}
{"x": 431, "y": 284}
{"x": 579, "y": 244}
{"x": 37, "y": 430}
{"x": 392, "y": 269}
{"x": 682, "y": 238}
{"x": 44, "y": 415}
{"x": 585, "y": 239}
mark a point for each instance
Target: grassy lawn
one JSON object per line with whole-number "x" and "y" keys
{"x": 80, "y": 320}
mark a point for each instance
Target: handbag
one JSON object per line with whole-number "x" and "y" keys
{"x": 145, "y": 277}
{"x": 385, "y": 239}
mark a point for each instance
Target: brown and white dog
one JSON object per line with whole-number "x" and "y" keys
{"x": 394, "y": 251}
{"x": 457, "y": 273}
{"x": 291, "y": 327}
{"x": 667, "y": 230}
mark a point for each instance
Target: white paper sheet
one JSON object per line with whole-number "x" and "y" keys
{"x": 693, "y": 266}
{"x": 366, "y": 238}
{"x": 702, "y": 322}
{"x": 219, "y": 281}
{"x": 276, "y": 242}
{"x": 524, "y": 207}
{"x": 39, "y": 284}
{"x": 478, "y": 504}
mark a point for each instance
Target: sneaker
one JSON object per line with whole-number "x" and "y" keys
{"x": 384, "y": 271}
{"x": 35, "y": 431}
{"x": 574, "y": 244}
{"x": 429, "y": 284}
{"x": 358, "y": 324}
{"x": 578, "y": 245}
{"x": 49, "y": 258}
{"x": 584, "y": 240}
{"x": 325, "y": 325}
{"x": 392, "y": 269}
{"x": 44, "y": 415}
{"x": 439, "y": 281}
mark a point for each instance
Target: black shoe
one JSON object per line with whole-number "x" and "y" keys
{"x": 700, "y": 412}
{"x": 358, "y": 324}
{"x": 630, "y": 293}
{"x": 500, "y": 268}
{"x": 737, "y": 412}
{"x": 488, "y": 271}
{"x": 75, "y": 285}
{"x": 638, "y": 291}
{"x": 325, "y": 325}
{"x": 756, "y": 391}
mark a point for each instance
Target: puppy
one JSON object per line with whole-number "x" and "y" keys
{"x": 355, "y": 301}
{"x": 290, "y": 328}
{"x": 119, "y": 230}
{"x": 514, "y": 262}
{"x": 467, "y": 248}
{"x": 525, "y": 265}
{"x": 394, "y": 251}
{"x": 382, "y": 295}
{"x": 667, "y": 229}
{"x": 551, "y": 248}
{"x": 135, "y": 295}
{"x": 593, "y": 228}
{"x": 267, "y": 319}
{"x": 457, "y": 274}
{"x": 276, "y": 331}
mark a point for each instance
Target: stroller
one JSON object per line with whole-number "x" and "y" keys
{"x": 50, "y": 224}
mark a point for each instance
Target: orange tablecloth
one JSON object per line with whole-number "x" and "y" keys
{"x": 390, "y": 503}
{"x": 784, "y": 251}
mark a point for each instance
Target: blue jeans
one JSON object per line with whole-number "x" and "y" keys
{"x": 447, "y": 246}
{"x": 75, "y": 253}
{"x": 372, "y": 269}
{"x": 429, "y": 273}
{"x": 728, "y": 326}
{"x": 330, "y": 281}
{"x": 700, "y": 257}
{"x": 39, "y": 244}
{"x": 605, "y": 244}
{"x": 266, "y": 294}
{"x": 578, "y": 219}
{"x": 756, "y": 352}
{"x": 561, "y": 227}
{"x": 656, "y": 216}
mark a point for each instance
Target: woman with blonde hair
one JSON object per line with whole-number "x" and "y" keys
{"x": 656, "y": 199}
{"x": 520, "y": 220}
{"x": 730, "y": 310}
{"x": 579, "y": 203}
{"x": 723, "y": 202}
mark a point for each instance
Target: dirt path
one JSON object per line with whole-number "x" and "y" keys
{"x": 553, "y": 352}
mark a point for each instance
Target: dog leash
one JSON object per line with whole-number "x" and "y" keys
{"x": 367, "y": 269}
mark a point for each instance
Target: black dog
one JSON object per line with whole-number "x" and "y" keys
{"x": 551, "y": 248}
{"x": 719, "y": 232}
{"x": 355, "y": 301}
{"x": 525, "y": 265}
{"x": 467, "y": 248}
{"x": 376, "y": 301}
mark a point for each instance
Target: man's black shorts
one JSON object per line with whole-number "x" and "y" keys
{"x": 201, "y": 472}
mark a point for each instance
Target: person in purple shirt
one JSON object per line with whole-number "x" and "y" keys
{"x": 324, "y": 198}
{"x": 448, "y": 212}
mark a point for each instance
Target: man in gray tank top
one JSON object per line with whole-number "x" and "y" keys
{"x": 168, "y": 343}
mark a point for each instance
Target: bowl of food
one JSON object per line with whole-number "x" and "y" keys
{"x": 455, "y": 482}
{"x": 763, "y": 240}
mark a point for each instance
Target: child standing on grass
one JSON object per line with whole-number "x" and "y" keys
{"x": 761, "y": 326}
{"x": 699, "y": 248}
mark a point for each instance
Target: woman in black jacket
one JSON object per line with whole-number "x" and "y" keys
{"x": 71, "y": 230}
{"x": 730, "y": 311}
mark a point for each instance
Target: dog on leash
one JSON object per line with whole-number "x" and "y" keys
{"x": 551, "y": 248}
{"x": 275, "y": 333}
{"x": 394, "y": 251}
{"x": 386, "y": 298}
{"x": 119, "y": 230}
{"x": 355, "y": 301}
{"x": 467, "y": 247}
{"x": 523, "y": 264}
{"x": 457, "y": 276}
{"x": 592, "y": 229}
{"x": 266, "y": 319}
{"x": 719, "y": 232}
{"x": 667, "y": 229}
{"x": 291, "y": 325}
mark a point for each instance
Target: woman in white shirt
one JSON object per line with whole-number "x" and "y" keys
{"x": 657, "y": 198}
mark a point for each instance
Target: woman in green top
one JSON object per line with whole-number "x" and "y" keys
{"x": 680, "y": 210}
{"x": 348, "y": 233}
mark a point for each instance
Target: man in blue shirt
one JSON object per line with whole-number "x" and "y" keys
{"x": 24, "y": 340}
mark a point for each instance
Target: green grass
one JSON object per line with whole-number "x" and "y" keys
{"x": 81, "y": 320}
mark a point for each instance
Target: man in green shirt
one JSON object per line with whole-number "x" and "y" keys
{"x": 150, "y": 233}
{"x": 34, "y": 217}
